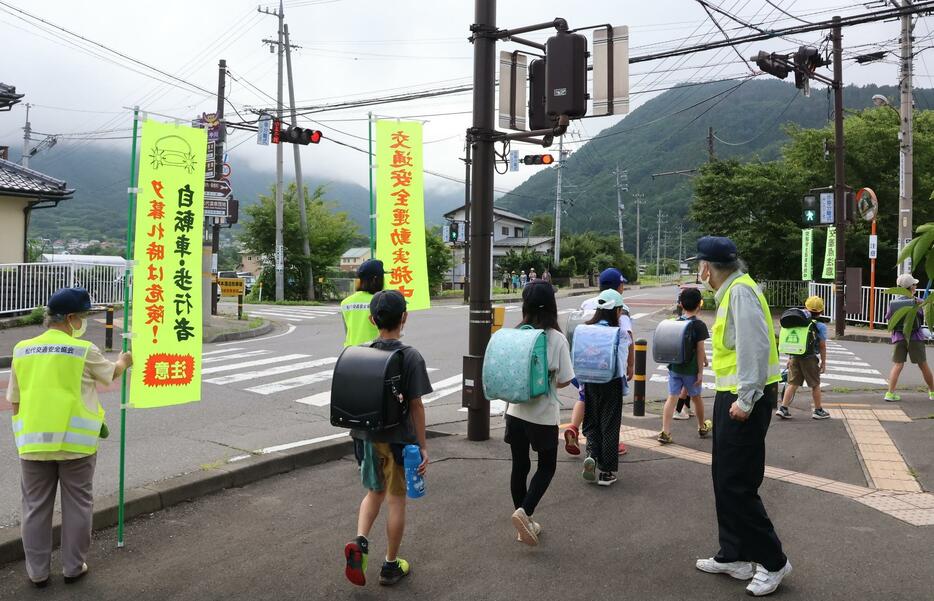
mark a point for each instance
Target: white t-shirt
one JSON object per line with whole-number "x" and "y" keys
{"x": 545, "y": 409}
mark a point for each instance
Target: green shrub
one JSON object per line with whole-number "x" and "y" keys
{"x": 35, "y": 318}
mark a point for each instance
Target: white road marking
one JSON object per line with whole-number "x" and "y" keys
{"x": 855, "y": 363}
{"x": 283, "y": 385}
{"x": 496, "y": 407}
{"x": 566, "y": 311}
{"x": 456, "y": 306}
{"x": 241, "y": 355}
{"x": 263, "y": 373}
{"x": 638, "y": 316}
{"x": 864, "y": 380}
{"x": 289, "y": 445}
{"x": 292, "y": 328}
{"x": 323, "y": 399}
{"x": 276, "y": 315}
{"x": 226, "y": 350}
{"x": 853, "y": 370}
{"x": 443, "y": 388}
{"x": 318, "y": 400}
{"x": 255, "y": 363}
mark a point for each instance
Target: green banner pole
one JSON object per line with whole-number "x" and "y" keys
{"x": 131, "y": 202}
{"x": 369, "y": 119}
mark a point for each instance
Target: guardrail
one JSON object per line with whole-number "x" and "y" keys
{"x": 25, "y": 286}
{"x": 825, "y": 291}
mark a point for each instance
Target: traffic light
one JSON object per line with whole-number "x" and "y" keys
{"x": 807, "y": 60}
{"x": 772, "y": 64}
{"x": 538, "y": 159}
{"x": 566, "y": 75}
{"x": 454, "y": 232}
{"x": 276, "y": 131}
{"x": 538, "y": 119}
{"x": 810, "y": 211}
{"x": 301, "y": 135}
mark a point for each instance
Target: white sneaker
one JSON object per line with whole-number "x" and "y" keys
{"x": 765, "y": 582}
{"x": 524, "y": 528}
{"x": 535, "y": 527}
{"x": 741, "y": 570}
{"x": 681, "y": 415}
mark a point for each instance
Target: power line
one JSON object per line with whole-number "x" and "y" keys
{"x": 764, "y": 129}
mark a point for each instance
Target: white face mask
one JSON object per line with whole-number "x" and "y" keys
{"x": 705, "y": 280}
{"x": 81, "y": 329}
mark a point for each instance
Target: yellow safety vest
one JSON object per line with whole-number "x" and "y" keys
{"x": 356, "y": 311}
{"x": 52, "y": 416}
{"x": 724, "y": 359}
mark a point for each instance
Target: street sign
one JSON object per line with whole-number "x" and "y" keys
{"x": 230, "y": 286}
{"x": 214, "y": 207}
{"x": 514, "y": 160}
{"x": 826, "y": 208}
{"x": 445, "y": 232}
{"x": 225, "y": 170}
{"x": 280, "y": 258}
{"x": 264, "y": 130}
{"x": 807, "y": 254}
{"x": 611, "y": 70}
{"x": 873, "y": 247}
{"x": 867, "y": 204}
{"x": 217, "y": 188}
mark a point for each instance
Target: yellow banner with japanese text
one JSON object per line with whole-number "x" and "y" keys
{"x": 166, "y": 310}
{"x": 400, "y": 210}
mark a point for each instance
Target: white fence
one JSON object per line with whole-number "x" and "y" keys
{"x": 25, "y": 286}
{"x": 825, "y": 291}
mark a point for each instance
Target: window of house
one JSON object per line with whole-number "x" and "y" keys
{"x": 519, "y": 232}
{"x": 505, "y": 230}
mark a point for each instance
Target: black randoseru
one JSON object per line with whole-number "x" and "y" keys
{"x": 366, "y": 389}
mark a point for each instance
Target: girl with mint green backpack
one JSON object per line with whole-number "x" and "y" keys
{"x": 533, "y": 425}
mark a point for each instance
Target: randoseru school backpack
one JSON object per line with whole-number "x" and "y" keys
{"x": 671, "y": 342}
{"x": 798, "y": 333}
{"x": 594, "y": 353}
{"x": 575, "y": 318}
{"x": 515, "y": 366}
{"x": 366, "y": 389}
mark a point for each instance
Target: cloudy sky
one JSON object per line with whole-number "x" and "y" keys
{"x": 353, "y": 49}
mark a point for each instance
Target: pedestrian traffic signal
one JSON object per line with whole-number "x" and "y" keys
{"x": 566, "y": 75}
{"x": 301, "y": 135}
{"x": 773, "y": 64}
{"x": 810, "y": 211}
{"x": 454, "y": 232}
{"x": 807, "y": 60}
{"x": 538, "y": 159}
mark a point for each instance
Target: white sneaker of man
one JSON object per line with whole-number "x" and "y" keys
{"x": 683, "y": 414}
{"x": 741, "y": 570}
{"x": 766, "y": 582}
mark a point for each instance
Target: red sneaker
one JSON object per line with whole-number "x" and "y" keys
{"x": 570, "y": 441}
{"x": 623, "y": 449}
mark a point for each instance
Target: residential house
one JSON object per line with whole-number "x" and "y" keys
{"x": 250, "y": 263}
{"x": 352, "y": 259}
{"x": 23, "y": 191}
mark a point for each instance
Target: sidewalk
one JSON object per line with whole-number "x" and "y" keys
{"x": 282, "y": 538}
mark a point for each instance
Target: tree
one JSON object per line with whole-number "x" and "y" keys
{"x": 523, "y": 259}
{"x": 439, "y": 258}
{"x": 592, "y": 253}
{"x": 543, "y": 224}
{"x": 331, "y": 233}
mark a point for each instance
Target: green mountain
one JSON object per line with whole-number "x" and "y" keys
{"x": 100, "y": 175}
{"x": 669, "y": 133}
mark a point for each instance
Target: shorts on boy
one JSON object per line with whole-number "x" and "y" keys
{"x": 678, "y": 381}
{"x": 387, "y": 466}
{"x": 909, "y": 349}
{"x": 804, "y": 369}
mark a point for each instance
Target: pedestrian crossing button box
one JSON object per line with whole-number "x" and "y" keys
{"x": 366, "y": 390}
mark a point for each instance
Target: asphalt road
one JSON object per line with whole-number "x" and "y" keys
{"x": 274, "y": 390}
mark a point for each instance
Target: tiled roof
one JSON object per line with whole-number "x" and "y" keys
{"x": 521, "y": 242}
{"x": 20, "y": 181}
{"x": 356, "y": 252}
{"x": 496, "y": 211}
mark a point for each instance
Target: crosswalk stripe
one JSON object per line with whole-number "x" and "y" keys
{"x": 496, "y": 407}
{"x": 254, "y": 363}
{"x": 638, "y": 316}
{"x": 283, "y": 385}
{"x": 861, "y": 379}
{"x": 288, "y": 316}
{"x": 318, "y": 400}
{"x": 457, "y": 306}
{"x": 323, "y": 399}
{"x": 272, "y": 371}
{"x": 443, "y": 388}
{"x": 241, "y": 355}
{"x": 226, "y": 350}
{"x": 854, "y": 363}
{"x": 854, "y": 370}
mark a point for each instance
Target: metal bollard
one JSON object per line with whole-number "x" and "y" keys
{"x": 499, "y": 317}
{"x": 109, "y": 329}
{"x": 638, "y": 399}
{"x": 239, "y": 306}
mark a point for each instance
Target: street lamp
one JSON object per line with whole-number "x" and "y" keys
{"x": 880, "y": 100}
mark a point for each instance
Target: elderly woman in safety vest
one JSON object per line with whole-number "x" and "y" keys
{"x": 57, "y": 422}
{"x": 745, "y": 364}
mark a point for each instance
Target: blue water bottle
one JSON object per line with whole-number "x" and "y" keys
{"x": 414, "y": 482}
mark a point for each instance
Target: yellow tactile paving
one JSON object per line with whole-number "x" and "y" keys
{"x": 882, "y": 462}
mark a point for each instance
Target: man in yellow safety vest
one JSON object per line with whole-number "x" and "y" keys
{"x": 745, "y": 364}
{"x": 355, "y": 309}
{"x": 57, "y": 422}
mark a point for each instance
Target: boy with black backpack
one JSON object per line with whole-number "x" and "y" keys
{"x": 806, "y": 347}
{"x": 379, "y": 453}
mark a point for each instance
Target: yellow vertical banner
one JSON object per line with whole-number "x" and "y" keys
{"x": 166, "y": 309}
{"x": 400, "y": 210}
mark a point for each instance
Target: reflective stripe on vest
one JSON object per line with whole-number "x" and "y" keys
{"x": 724, "y": 359}
{"x": 356, "y": 312}
{"x": 52, "y": 416}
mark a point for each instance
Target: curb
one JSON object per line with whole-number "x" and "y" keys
{"x": 244, "y": 335}
{"x": 187, "y": 487}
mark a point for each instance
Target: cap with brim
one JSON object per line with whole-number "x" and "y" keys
{"x": 69, "y": 300}
{"x": 609, "y": 299}
{"x": 716, "y": 249}
{"x": 370, "y": 269}
{"x": 611, "y": 277}
{"x": 906, "y": 280}
{"x": 387, "y": 304}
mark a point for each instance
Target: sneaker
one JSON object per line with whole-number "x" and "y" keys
{"x": 355, "y": 552}
{"x": 589, "y": 473}
{"x": 534, "y": 526}
{"x": 570, "y": 441}
{"x": 783, "y": 412}
{"x": 741, "y": 570}
{"x": 704, "y": 430}
{"x": 523, "y": 525}
{"x": 765, "y": 582}
{"x": 931, "y": 395}
{"x": 664, "y": 437}
{"x": 393, "y": 572}
{"x": 623, "y": 449}
{"x": 892, "y": 397}
{"x": 607, "y": 478}
{"x": 681, "y": 415}
{"x": 78, "y": 576}
{"x": 819, "y": 413}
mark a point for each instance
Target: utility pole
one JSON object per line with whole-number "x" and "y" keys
{"x": 658, "y": 246}
{"x": 27, "y": 130}
{"x": 280, "y": 250}
{"x": 468, "y": 146}
{"x": 619, "y": 204}
{"x": 637, "y": 199}
{"x": 299, "y": 184}
{"x": 218, "y": 170}
{"x": 558, "y": 202}
{"x": 680, "y": 246}
{"x": 839, "y": 179}
{"x": 905, "y": 163}
{"x": 710, "y": 155}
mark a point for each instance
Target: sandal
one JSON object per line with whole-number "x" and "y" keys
{"x": 570, "y": 440}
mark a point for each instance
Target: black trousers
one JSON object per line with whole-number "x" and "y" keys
{"x": 603, "y": 412}
{"x": 746, "y": 532}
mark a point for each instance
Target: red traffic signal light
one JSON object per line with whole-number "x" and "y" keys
{"x": 301, "y": 135}
{"x": 538, "y": 159}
